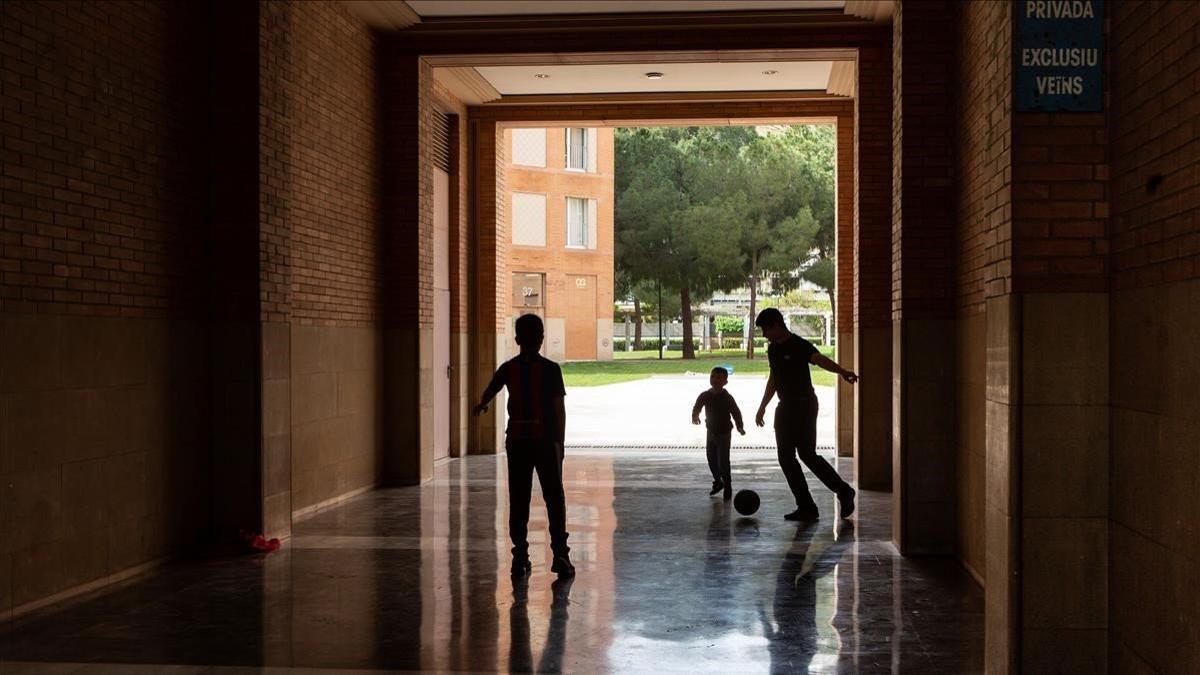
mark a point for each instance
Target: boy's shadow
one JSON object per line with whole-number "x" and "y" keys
{"x": 792, "y": 636}
{"x": 520, "y": 659}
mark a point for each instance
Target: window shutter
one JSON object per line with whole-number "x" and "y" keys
{"x": 591, "y": 223}
{"x": 441, "y": 141}
{"x": 529, "y": 147}
{"x": 591, "y": 150}
{"x": 528, "y": 219}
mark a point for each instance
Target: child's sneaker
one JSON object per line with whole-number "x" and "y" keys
{"x": 562, "y": 566}
{"x": 717, "y": 485}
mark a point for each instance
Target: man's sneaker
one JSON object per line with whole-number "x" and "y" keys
{"x": 521, "y": 567}
{"x": 802, "y": 515}
{"x": 562, "y": 566}
{"x": 846, "y": 502}
{"x": 715, "y": 488}
{"x": 728, "y": 493}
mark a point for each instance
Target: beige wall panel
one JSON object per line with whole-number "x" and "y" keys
{"x": 337, "y": 407}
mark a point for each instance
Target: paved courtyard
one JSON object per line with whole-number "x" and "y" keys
{"x": 656, "y": 411}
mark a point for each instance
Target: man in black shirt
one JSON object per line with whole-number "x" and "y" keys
{"x": 537, "y": 420}
{"x": 719, "y": 406}
{"x": 796, "y": 415}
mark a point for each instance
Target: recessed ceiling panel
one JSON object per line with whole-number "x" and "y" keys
{"x": 434, "y": 8}
{"x": 631, "y": 77}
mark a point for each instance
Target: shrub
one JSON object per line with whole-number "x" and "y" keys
{"x": 729, "y": 325}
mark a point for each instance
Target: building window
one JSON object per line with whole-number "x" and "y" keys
{"x": 529, "y": 147}
{"x": 528, "y": 219}
{"x": 577, "y": 223}
{"x": 528, "y": 290}
{"x": 577, "y": 149}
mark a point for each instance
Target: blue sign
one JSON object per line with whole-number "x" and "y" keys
{"x": 1059, "y": 54}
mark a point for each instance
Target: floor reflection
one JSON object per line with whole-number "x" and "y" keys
{"x": 417, "y": 579}
{"x": 792, "y": 629}
{"x": 520, "y": 658}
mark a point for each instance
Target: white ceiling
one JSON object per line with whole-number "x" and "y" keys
{"x": 677, "y": 77}
{"x": 436, "y": 8}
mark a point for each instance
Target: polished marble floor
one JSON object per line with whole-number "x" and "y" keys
{"x": 417, "y": 579}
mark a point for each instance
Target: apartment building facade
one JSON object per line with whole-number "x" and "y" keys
{"x": 559, "y": 208}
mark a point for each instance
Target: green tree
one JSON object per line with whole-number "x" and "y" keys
{"x": 668, "y": 232}
{"x": 777, "y": 228}
{"x": 706, "y": 208}
{"x": 816, "y": 146}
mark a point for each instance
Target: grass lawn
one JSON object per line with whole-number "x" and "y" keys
{"x": 628, "y": 366}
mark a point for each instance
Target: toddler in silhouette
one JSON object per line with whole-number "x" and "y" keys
{"x": 719, "y": 407}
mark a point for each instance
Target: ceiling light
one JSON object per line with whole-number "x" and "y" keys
{"x": 770, "y": 72}
{"x": 541, "y": 76}
{"x": 654, "y": 76}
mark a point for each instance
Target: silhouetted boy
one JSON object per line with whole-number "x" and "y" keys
{"x": 719, "y": 406}
{"x": 537, "y": 420}
{"x": 796, "y": 416}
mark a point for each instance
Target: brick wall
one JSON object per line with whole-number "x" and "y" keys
{"x": 923, "y": 158}
{"x": 983, "y": 129}
{"x": 873, "y": 193}
{"x": 1060, "y": 202}
{"x": 1156, "y": 198}
{"x": 102, "y": 194}
{"x": 320, "y": 225}
{"x": 1154, "y": 52}
{"x": 103, "y": 262}
{"x": 319, "y": 166}
{"x": 845, "y": 223}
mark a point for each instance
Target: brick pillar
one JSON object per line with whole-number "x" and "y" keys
{"x": 408, "y": 267}
{"x": 1047, "y": 370}
{"x": 844, "y": 293}
{"x": 275, "y": 203}
{"x": 1060, "y": 275}
{"x": 923, "y": 480}
{"x": 488, "y": 346}
{"x": 872, "y": 269}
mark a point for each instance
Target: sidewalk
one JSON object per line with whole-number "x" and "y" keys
{"x": 656, "y": 412}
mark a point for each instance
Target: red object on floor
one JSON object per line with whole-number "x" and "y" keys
{"x": 259, "y": 543}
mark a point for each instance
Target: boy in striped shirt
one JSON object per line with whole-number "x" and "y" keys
{"x": 537, "y": 419}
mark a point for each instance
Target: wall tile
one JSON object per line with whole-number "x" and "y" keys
{"x": 276, "y": 351}
{"x": 314, "y": 397}
{"x": 6, "y": 584}
{"x": 101, "y": 352}
{"x": 1064, "y": 461}
{"x": 30, "y": 358}
{"x": 35, "y": 508}
{"x": 1064, "y": 573}
{"x": 998, "y": 452}
{"x": 1045, "y": 650}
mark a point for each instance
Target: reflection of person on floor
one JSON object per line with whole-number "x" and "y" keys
{"x": 796, "y": 415}
{"x": 719, "y": 407}
{"x": 792, "y": 636}
{"x": 537, "y": 418}
{"x": 520, "y": 657}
